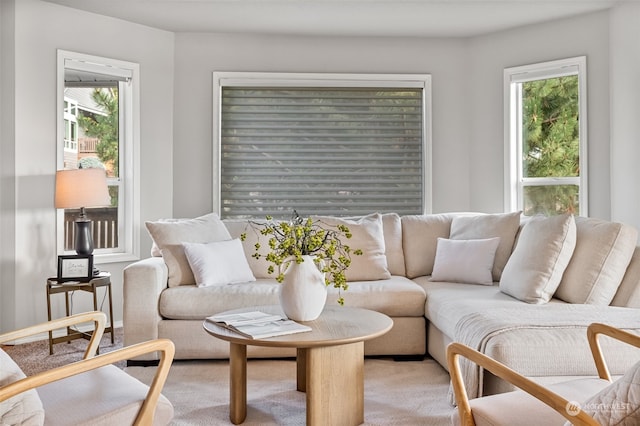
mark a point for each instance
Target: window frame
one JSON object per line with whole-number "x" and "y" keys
{"x": 129, "y": 153}
{"x": 513, "y": 144}
{"x": 262, "y": 79}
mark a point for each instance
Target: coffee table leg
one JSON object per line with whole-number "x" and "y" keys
{"x": 335, "y": 385}
{"x": 301, "y": 369}
{"x": 237, "y": 383}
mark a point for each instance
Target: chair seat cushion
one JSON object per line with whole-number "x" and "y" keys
{"x": 520, "y": 408}
{"x": 105, "y": 396}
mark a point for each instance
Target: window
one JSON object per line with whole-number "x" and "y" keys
{"x": 98, "y": 112}
{"x": 321, "y": 144}
{"x": 546, "y": 138}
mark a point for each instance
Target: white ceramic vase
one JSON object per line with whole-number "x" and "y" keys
{"x": 303, "y": 292}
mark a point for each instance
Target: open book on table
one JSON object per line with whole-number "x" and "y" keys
{"x": 258, "y": 325}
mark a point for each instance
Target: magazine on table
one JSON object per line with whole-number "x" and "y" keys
{"x": 258, "y": 325}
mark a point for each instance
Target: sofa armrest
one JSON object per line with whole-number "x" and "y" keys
{"x": 143, "y": 283}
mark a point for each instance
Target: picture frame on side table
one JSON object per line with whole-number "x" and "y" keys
{"x": 75, "y": 268}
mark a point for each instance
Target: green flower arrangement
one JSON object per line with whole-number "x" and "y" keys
{"x": 289, "y": 241}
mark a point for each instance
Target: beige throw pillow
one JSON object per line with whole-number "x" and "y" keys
{"x": 420, "y": 235}
{"x": 392, "y": 228}
{"x": 169, "y": 237}
{"x": 603, "y": 252}
{"x": 544, "y": 249}
{"x": 482, "y": 226}
{"x": 628, "y": 293}
{"x": 367, "y": 235}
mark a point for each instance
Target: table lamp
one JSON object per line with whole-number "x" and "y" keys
{"x": 77, "y": 189}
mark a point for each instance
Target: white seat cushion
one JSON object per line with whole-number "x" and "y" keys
{"x": 105, "y": 396}
{"x": 520, "y": 408}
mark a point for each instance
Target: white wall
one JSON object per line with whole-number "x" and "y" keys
{"x": 7, "y": 232}
{"x": 468, "y": 142}
{"x": 490, "y": 55}
{"x": 198, "y": 55}
{"x": 625, "y": 112}
{"x": 176, "y": 117}
{"x": 40, "y": 29}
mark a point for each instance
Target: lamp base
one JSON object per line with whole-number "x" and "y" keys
{"x": 84, "y": 239}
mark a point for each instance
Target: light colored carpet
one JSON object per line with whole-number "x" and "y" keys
{"x": 396, "y": 393}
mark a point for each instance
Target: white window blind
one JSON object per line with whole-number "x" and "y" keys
{"x": 321, "y": 150}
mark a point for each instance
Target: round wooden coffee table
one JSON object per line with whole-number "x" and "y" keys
{"x": 329, "y": 360}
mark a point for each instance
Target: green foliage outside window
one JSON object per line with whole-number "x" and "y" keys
{"x": 551, "y": 143}
{"x": 105, "y": 128}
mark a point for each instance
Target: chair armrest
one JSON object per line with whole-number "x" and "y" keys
{"x": 553, "y": 400}
{"x": 99, "y": 319}
{"x": 145, "y": 415}
{"x": 594, "y": 331}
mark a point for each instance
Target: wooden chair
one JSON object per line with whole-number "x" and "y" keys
{"x": 89, "y": 391}
{"x": 527, "y": 405}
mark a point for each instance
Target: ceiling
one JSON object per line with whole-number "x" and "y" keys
{"x": 422, "y": 18}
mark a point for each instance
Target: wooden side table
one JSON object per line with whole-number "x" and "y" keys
{"x": 54, "y": 287}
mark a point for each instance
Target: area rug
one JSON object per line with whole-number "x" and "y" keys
{"x": 396, "y": 393}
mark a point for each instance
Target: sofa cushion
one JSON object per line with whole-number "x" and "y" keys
{"x": 505, "y": 226}
{"x": 618, "y": 403}
{"x": 543, "y": 251}
{"x": 465, "y": 261}
{"x": 420, "y": 240}
{"x": 392, "y": 228}
{"x": 396, "y": 297}
{"x": 218, "y": 263}
{"x": 600, "y": 259}
{"x": 190, "y": 302}
{"x": 367, "y": 235}
{"x": 24, "y": 408}
{"x": 628, "y": 293}
{"x": 169, "y": 236}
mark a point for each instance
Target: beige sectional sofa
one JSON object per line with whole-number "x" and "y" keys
{"x": 521, "y": 290}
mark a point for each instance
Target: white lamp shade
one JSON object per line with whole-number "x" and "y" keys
{"x": 81, "y": 188}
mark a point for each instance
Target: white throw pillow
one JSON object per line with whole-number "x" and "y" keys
{"x": 482, "y": 226}
{"x": 599, "y": 262}
{"x": 465, "y": 261}
{"x": 367, "y": 235}
{"x": 541, "y": 255}
{"x": 169, "y": 237}
{"x": 617, "y": 404}
{"x": 26, "y": 407}
{"x": 218, "y": 263}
